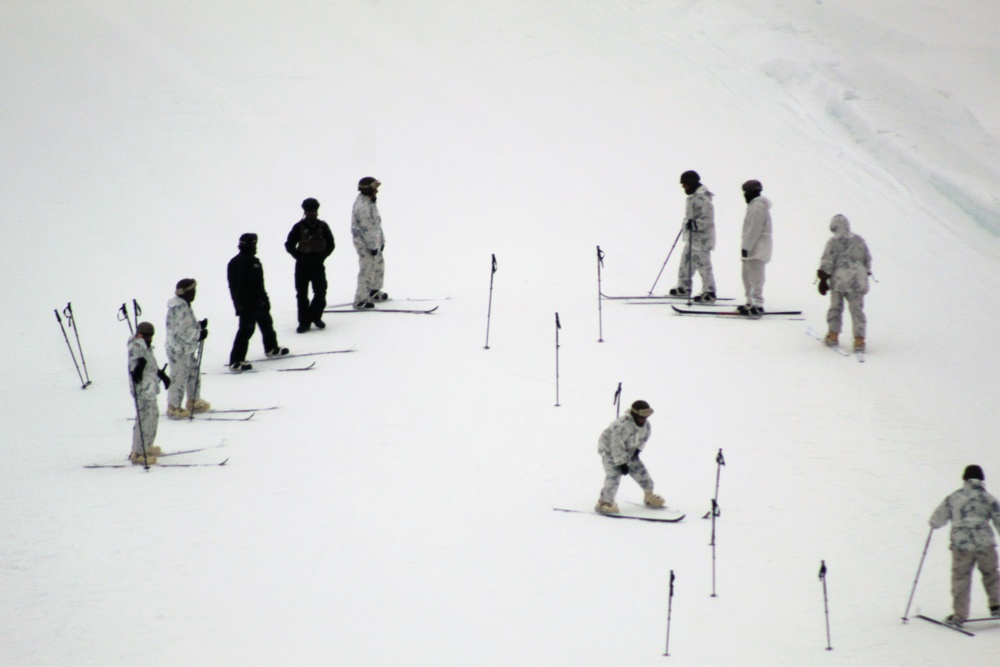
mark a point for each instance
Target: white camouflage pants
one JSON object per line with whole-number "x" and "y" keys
{"x": 371, "y": 273}
{"x": 612, "y": 478}
{"x": 962, "y": 563}
{"x": 148, "y": 420}
{"x": 696, "y": 258}
{"x": 835, "y": 316}
{"x": 183, "y": 380}
{"x": 753, "y": 281}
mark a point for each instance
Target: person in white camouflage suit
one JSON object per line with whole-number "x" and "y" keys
{"x": 184, "y": 333}
{"x": 971, "y": 509}
{"x": 619, "y": 447}
{"x": 366, "y": 232}
{"x": 699, "y": 235}
{"x": 145, "y": 377}
{"x": 756, "y": 246}
{"x": 843, "y": 271}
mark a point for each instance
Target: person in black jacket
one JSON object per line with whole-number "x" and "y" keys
{"x": 246, "y": 285}
{"x": 310, "y": 242}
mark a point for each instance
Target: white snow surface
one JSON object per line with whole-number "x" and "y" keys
{"x": 397, "y": 507}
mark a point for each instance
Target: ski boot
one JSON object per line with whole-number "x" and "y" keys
{"x": 239, "y": 366}
{"x": 653, "y": 500}
{"x": 954, "y": 621}
{"x": 832, "y": 338}
{"x": 378, "y": 297}
{"x": 859, "y": 344}
{"x": 276, "y": 352}
{"x": 137, "y": 459}
{"x": 364, "y": 305}
{"x": 705, "y": 297}
{"x": 604, "y": 507}
{"x": 175, "y": 412}
{"x": 679, "y": 291}
{"x": 198, "y": 405}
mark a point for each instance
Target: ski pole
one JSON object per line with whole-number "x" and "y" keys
{"x": 690, "y": 265}
{"x": 826, "y": 608}
{"x": 618, "y": 400}
{"x": 123, "y": 317}
{"x": 715, "y": 513}
{"x": 919, "y": 567}
{"x": 600, "y": 311}
{"x": 670, "y": 605}
{"x": 83, "y": 384}
{"x": 489, "y": 307}
{"x": 136, "y": 310}
{"x": 718, "y": 470}
{"x": 558, "y": 327}
{"x": 71, "y": 323}
{"x": 138, "y": 424}
{"x": 666, "y": 260}
{"x": 197, "y": 378}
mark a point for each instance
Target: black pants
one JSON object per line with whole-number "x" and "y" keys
{"x": 306, "y": 272}
{"x": 249, "y": 321}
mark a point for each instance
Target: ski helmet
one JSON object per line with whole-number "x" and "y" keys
{"x": 145, "y": 328}
{"x": 641, "y": 409}
{"x": 690, "y": 177}
{"x": 248, "y": 239}
{"x": 185, "y": 285}
{"x": 310, "y": 204}
{"x": 752, "y": 186}
{"x": 368, "y": 183}
{"x": 973, "y": 472}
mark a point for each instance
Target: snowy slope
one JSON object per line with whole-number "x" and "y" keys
{"x": 397, "y": 507}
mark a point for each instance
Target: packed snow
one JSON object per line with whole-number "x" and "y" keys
{"x": 397, "y": 507}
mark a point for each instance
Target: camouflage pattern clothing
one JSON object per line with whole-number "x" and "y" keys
{"x": 848, "y": 263}
{"x": 971, "y": 509}
{"x": 183, "y": 335}
{"x": 366, "y": 232}
{"x": 700, "y": 212}
{"x": 145, "y": 393}
{"x": 620, "y": 443}
{"x": 756, "y": 243}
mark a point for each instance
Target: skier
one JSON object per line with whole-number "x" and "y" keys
{"x": 756, "y": 246}
{"x": 184, "y": 333}
{"x": 145, "y": 378}
{"x": 699, "y": 234}
{"x": 246, "y": 286}
{"x": 366, "y": 231}
{"x": 970, "y": 510}
{"x": 843, "y": 271}
{"x": 619, "y": 447}
{"x": 310, "y": 242}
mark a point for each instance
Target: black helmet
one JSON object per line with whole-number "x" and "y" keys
{"x": 248, "y": 239}
{"x": 690, "y": 177}
{"x": 145, "y": 328}
{"x": 753, "y": 186}
{"x": 310, "y": 205}
{"x": 368, "y": 183}
{"x": 641, "y": 409}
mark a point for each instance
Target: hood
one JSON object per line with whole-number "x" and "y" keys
{"x": 840, "y": 226}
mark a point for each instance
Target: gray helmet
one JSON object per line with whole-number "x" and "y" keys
{"x": 368, "y": 183}
{"x": 145, "y": 328}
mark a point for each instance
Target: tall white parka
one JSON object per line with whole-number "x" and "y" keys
{"x": 183, "y": 330}
{"x": 622, "y": 439}
{"x": 366, "y": 225}
{"x": 757, "y": 229}
{"x": 846, "y": 259}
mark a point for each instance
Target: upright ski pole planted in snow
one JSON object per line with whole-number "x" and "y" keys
{"x": 71, "y": 323}
{"x": 826, "y": 608}
{"x": 670, "y": 605}
{"x": 916, "y": 578}
{"x": 715, "y": 513}
{"x": 197, "y": 377}
{"x": 138, "y": 424}
{"x": 600, "y": 311}
{"x": 558, "y": 327}
{"x": 83, "y": 383}
{"x": 719, "y": 461}
{"x": 489, "y": 307}
{"x": 666, "y": 260}
{"x": 618, "y": 400}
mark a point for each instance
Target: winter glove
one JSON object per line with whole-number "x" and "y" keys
{"x": 374, "y": 252}
{"x": 745, "y": 254}
{"x": 162, "y": 374}
{"x": 692, "y": 225}
{"x": 140, "y": 366}
{"x": 623, "y": 468}
{"x": 203, "y": 334}
{"x": 824, "y": 285}
{"x": 204, "y": 323}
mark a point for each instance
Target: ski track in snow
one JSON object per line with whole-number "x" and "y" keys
{"x": 397, "y": 509}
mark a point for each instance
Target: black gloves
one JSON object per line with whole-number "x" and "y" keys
{"x": 824, "y": 285}
{"x": 623, "y": 468}
{"x": 162, "y": 374}
{"x": 140, "y": 366}
{"x": 745, "y": 253}
{"x": 204, "y": 323}
{"x": 203, "y": 334}
{"x": 692, "y": 225}
{"x": 374, "y": 252}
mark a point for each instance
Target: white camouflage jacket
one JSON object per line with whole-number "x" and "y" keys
{"x": 970, "y": 510}
{"x": 183, "y": 330}
{"x": 846, "y": 259}
{"x": 366, "y": 225}
{"x": 757, "y": 229}
{"x": 149, "y": 386}
{"x": 623, "y": 438}
{"x": 699, "y": 208}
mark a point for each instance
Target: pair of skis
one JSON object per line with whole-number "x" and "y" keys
{"x": 349, "y": 307}
{"x": 634, "y": 511}
{"x": 858, "y": 354}
{"x": 129, "y": 464}
{"x": 957, "y": 628}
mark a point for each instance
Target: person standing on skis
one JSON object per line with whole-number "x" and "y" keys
{"x": 971, "y": 509}
{"x": 184, "y": 336}
{"x": 366, "y": 232}
{"x": 699, "y": 235}
{"x": 145, "y": 377}
{"x": 253, "y": 307}
{"x": 310, "y": 242}
{"x": 619, "y": 446}
{"x": 755, "y": 246}
{"x": 843, "y": 272}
